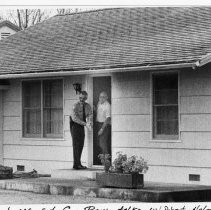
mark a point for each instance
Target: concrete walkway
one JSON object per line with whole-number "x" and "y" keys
{"x": 152, "y": 192}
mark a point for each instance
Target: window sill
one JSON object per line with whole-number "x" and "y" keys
{"x": 41, "y": 139}
{"x": 165, "y": 141}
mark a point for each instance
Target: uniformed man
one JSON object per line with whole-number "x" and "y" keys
{"x": 81, "y": 116}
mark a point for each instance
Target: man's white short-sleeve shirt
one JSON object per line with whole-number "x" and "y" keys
{"x": 103, "y": 111}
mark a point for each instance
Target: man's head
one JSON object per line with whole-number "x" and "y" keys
{"x": 103, "y": 97}
{"x": 83, "y": 96}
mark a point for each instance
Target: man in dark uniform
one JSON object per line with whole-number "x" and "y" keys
{"x": 81, "y": 116}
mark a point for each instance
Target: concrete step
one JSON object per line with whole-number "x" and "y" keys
{"x": 72, "y": 174}
{"x": 152, "y": 192}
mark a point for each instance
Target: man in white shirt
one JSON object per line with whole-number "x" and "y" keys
{"x": 104, "y": 123}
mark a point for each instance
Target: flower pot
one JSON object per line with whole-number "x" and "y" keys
{"x": 120, "y": 180}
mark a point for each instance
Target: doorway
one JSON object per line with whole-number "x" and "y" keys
{"x": 100, "y": 84}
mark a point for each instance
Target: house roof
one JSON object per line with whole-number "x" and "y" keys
{"x": 10, "y": 25}
{"x": 109, "y": 38}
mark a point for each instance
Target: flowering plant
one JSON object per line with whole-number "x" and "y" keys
{"x": 133, "y": 164}
{"x": 105, "y": 160}
{"x": 118, "y": 162}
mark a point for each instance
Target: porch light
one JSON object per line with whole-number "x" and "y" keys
{"x": 77, "y": 87}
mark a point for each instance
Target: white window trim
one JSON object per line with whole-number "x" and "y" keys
{"x": 23, "y": 138}
{"x": 154, "y": 140}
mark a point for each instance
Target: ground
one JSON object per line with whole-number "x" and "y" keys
{"x": 17, "y": 197}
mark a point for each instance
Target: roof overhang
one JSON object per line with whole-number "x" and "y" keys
{"x": 10, "y": 25}
{"x": 100, "y": 71}
{"x": 204, "y": 60}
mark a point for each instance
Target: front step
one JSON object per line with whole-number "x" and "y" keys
{"x": 152, "y": 192}
{"x": 89, "y": 173}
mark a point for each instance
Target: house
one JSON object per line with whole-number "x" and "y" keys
{"x": 7, "y": 28}
{"x": 154, "y": 64}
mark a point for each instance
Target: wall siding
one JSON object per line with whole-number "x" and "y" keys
{"x": 45, "y": 167}
{"x": 122, "y": 88}
{"x": 195, "y": 123}
{"x": 12, "y": 123}
{"x": 131, "y": 128}
{"x": 12, "y": 108}
{"x": 195, "y": 105}
{"x": 6, "y": 29}
{"x": 42, "y": 154}
{"x": 171, "y": 157}
{"x": 131, "y": 124}
{"x": 120, "y": 106}
{"x": 1, "y": 128}
{"x": 177, "y": 174}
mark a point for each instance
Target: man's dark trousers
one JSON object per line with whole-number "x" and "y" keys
{"x": 78, "y": 136}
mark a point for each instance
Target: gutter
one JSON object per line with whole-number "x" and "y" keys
{"x": 100, "y": 71}
{"x": 204, "y": 60}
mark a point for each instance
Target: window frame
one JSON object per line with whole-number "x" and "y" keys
{"x": 41, "y": 137}
{"x": 25, "y": 135}
{"x": 163, "y": 138}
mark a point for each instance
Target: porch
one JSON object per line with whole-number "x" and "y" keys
{"x": 152, "y": 192}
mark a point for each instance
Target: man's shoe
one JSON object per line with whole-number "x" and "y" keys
{"x": 76, "y": 167}
{"x": 82, "y": 167}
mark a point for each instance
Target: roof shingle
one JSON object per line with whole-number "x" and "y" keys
{"x": 109, "y": 38}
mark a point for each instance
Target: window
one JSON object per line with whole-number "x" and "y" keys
{"x": 43, "y": 108}
{"x": 165, "y": 106}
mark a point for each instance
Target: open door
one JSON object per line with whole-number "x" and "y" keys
{"x": 100, "y": 84}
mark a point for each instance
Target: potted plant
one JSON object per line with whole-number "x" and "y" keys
{"x": 6, "y": 172}
{"x": 125, "y": 172}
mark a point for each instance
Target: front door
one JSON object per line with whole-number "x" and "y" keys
{"x": 100, "y": 84}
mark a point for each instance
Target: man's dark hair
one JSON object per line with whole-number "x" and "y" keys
{"x": 83, "y": 92}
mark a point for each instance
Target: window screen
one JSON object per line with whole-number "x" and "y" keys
{"x": 43, "y": 108}
{"x": 165, "y": 106}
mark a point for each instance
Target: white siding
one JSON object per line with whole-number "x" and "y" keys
{"x": 196, "y": 105}
{"x": 130, "y": 123}
{"x": 41, "y": 166}
{"x": 173, "y": 161}
{"x": 120, "y": 106}
{"x": 172, "y": 157}
{"x": 12, "y": 108}
{"x": 6, "y": 29}
{"x": 1, "y": 127}
{"x": 12, "y": 124}
{"x": 130, "y": 85}
{"x": 43, "y": 155}
{"x": 131, "y": 128}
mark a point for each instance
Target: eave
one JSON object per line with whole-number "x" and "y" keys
{"x": 100, "y": 71}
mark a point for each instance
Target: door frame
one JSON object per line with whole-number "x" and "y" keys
{"x": 89, "y": 88}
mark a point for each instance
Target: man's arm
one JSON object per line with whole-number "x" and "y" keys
{"x": 107, "y": 121}
{"x": 75, "y": 116}
{"x": 90, "y": 115}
